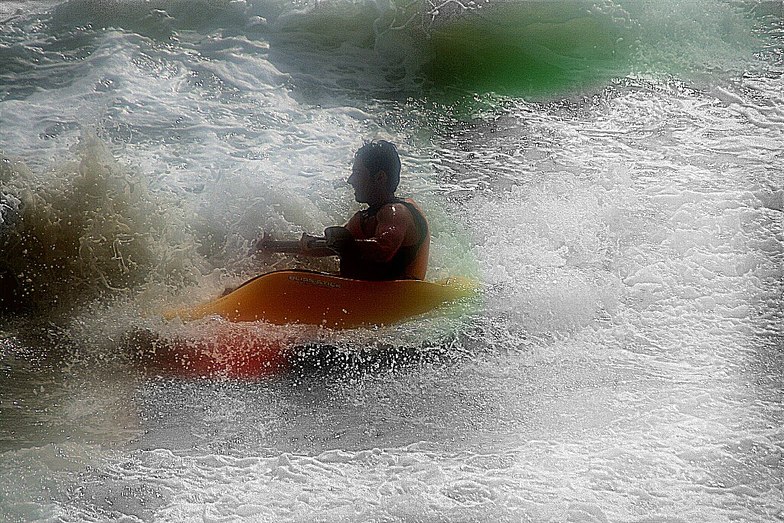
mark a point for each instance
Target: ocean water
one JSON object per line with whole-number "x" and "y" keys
{"x": 611, "y": 173}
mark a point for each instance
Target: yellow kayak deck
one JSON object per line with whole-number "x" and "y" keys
{"x": 313, "y": 298}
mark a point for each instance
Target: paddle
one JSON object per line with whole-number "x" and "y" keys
{"x": 288, "y": 246}
{"x": 335, "y": 239}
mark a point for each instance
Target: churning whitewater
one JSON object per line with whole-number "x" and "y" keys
{"x": 609, "y": 173}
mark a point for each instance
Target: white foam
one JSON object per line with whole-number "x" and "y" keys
{"x": 624, "y": 362}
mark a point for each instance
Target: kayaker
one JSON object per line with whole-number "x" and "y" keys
{"x": 390, "y": 240}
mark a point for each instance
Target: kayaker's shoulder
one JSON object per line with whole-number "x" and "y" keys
{"x": 400, "y": 208}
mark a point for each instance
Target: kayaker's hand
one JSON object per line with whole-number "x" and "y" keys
{"x": 261, "y": 245}
{"x": 338, "y": 239}
{"x": 307, "y": 243}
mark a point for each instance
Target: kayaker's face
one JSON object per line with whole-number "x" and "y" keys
{"x": 368, "y": 188}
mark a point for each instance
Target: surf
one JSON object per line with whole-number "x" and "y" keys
{"x": 617, "y": 196}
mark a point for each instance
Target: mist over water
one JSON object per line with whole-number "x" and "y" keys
{"x": 609, "y": 172}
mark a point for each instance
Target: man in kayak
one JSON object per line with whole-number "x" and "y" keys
{"x": 390, "y": 240}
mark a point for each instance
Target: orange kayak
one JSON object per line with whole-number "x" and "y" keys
{"x": 313, "y": 298}
{"x": 237, "y": 350}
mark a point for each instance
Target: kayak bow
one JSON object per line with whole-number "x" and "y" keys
{"x": 313, "y": 298}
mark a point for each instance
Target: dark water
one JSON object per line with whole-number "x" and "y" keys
{"x": 609, "y": 172}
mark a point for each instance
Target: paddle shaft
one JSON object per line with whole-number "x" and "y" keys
{"x": 336, "y": 239}
{"x": 290, "y": 246}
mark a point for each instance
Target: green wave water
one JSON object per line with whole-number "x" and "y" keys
{"x": 538, "y": 49}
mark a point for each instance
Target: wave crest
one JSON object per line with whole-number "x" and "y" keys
{"x": 86, "y": 229}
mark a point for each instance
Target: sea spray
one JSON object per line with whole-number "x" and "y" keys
{"x": 88, "y": 228}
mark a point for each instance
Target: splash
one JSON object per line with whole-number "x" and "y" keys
{"x": 85, "y": 229}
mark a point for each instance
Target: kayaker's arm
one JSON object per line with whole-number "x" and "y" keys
{"x": 392, "y": 222}
{"x": 307, "y": 245}
{"x": 335, "y": 242}
{"x": 388, "y": 237}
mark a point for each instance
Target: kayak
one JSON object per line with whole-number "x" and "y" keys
{"x": 313, "y": 298}
{"x": 289, "y": 297}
